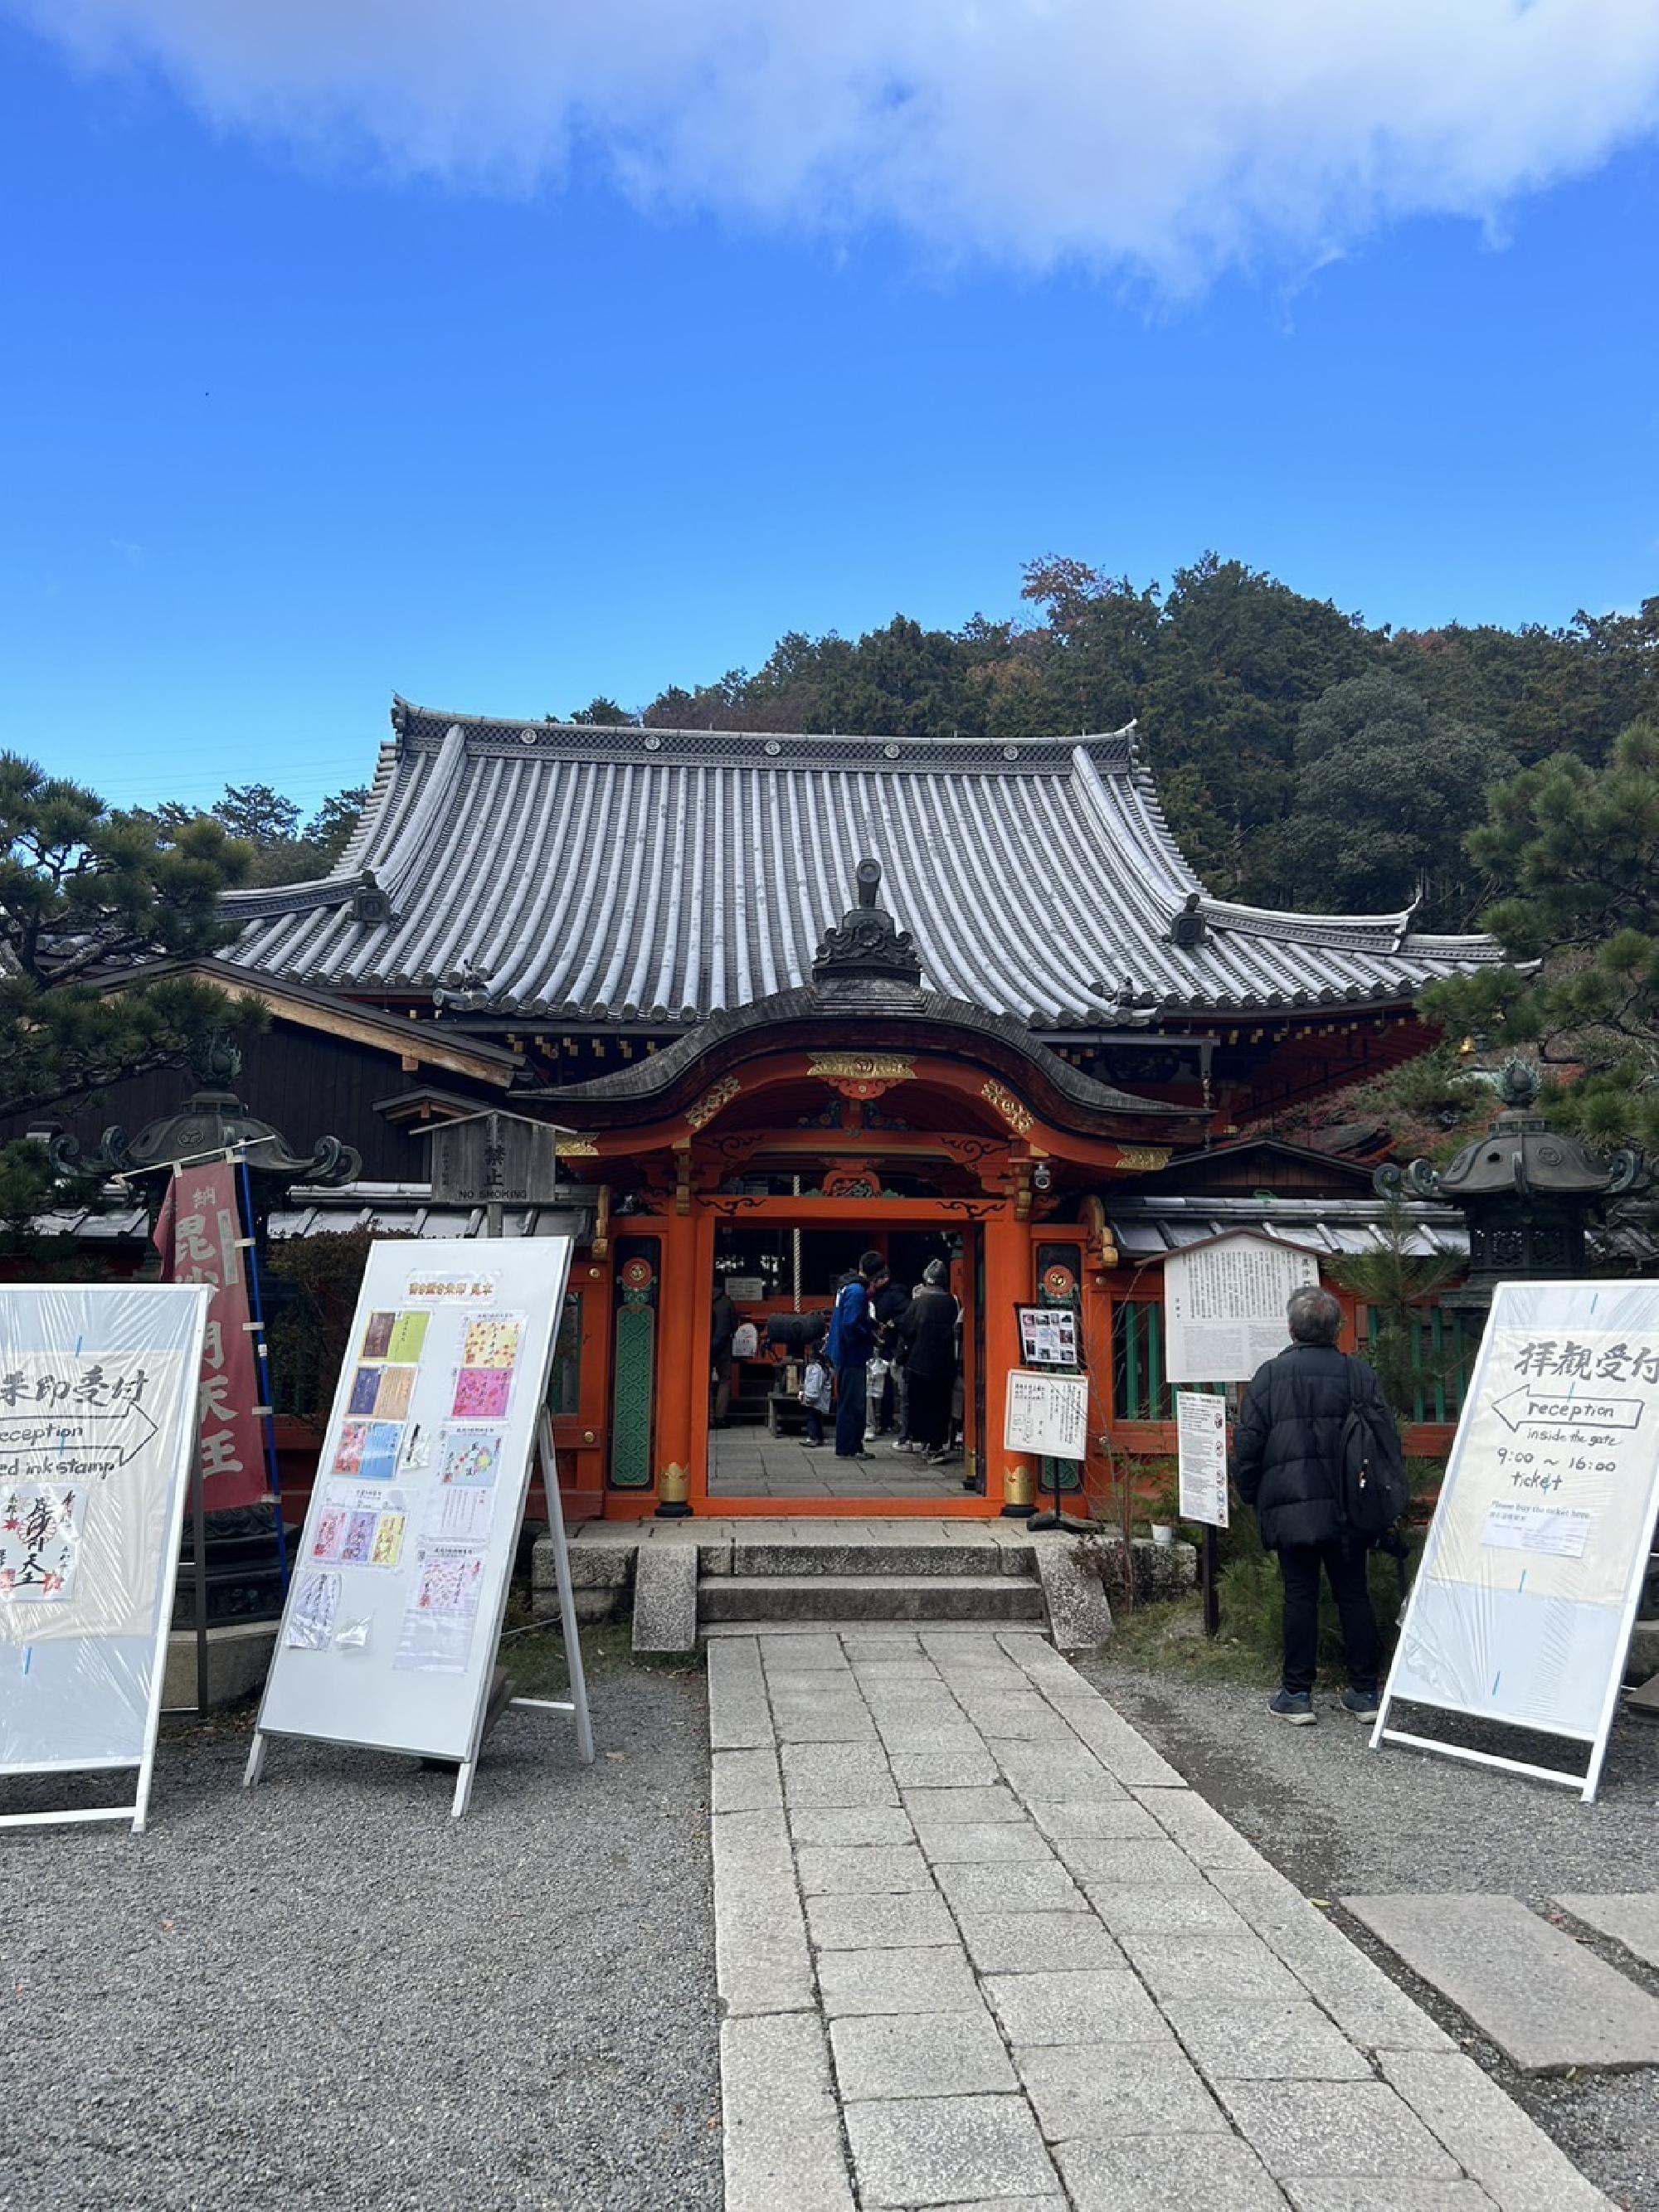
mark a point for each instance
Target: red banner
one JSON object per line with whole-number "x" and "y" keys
{"x": 198, "y": 1235}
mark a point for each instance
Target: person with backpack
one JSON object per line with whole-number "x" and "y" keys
{"x": 851, "y": 1340}
{"x": 1317, "y": 1456}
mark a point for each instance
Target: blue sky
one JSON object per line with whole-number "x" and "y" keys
{"x": 289, "y": 427}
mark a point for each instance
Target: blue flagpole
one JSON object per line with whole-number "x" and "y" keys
{"x": 256, "y": 1303}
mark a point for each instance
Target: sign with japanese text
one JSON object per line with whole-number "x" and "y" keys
{"x": 1201, "y": 1448}
{"x": 1047, "y": 1414}
{"x": 1522, "y": 1604}
{"x": 198, "y": 1235}
{"x": 395, "y": 1605}
{"x": 97, "y": 1405}
{"x": 1223, "y": 1305}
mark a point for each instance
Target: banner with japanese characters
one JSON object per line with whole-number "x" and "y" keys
{"x": 98, "y": 1388}
{"x": 395, "y": 1605}
{"x": 199, "y": 1236}
{"x": 1522, "y": 1607}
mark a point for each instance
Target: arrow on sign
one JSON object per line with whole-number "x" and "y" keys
{"x": 1532, "y": 1409}
{"x": 125, "y": 1430}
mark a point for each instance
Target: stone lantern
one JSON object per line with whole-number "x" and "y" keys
{"x": 243, "y": 1549}
{"x": 211, "y": 1122}
{"x": 1527, "y": 1192}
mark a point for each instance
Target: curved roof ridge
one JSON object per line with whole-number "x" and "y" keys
{"x": 345, "y": 879}
{"x": 403, "y": 857}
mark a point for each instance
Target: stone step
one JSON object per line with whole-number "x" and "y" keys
{"x": 833, "y": 1556}
{"x": 818, "y": 1597}
{"x": 1643, "y": 1661}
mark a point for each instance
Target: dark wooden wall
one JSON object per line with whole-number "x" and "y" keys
{"x": 309, "y": 1084}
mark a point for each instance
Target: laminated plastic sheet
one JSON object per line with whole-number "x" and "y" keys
{"x": 98, "y": 1394}
{"x": 395, "y": 1606}
{"x": 1522, "y": 1610}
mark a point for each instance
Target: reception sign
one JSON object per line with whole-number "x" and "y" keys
{"x": 1531, "y": 1572}
{"x": 97, "y": 1391}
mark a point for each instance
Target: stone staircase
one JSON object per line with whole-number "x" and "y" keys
{"x": 684, "y": 1582}
{"x": 891, "y": 1573}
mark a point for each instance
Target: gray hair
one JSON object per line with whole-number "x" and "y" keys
{"x": 1314, "y": 1314}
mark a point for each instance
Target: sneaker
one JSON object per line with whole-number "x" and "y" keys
{"x": 900, "y": 1448}
{"x": 1364, "y": 1705}
{"x": 1296, "y": 1706}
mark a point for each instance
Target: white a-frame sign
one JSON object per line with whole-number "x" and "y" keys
{"x": 1523, "y": 1604}
{"x": 394, "y": 1612}
{"x": 98, "y": 1385}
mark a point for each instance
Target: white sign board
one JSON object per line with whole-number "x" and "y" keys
{"x": 1532, "y": 1570}
{"x": 1048, "y": 1335}
{"x": 1047, "y": 1414}
{"x": 398, "y": 1587}
{"x": 1224, "y": 1306}
{"x": 1202, "y": 1445}
{"x": 98, "y": 1388}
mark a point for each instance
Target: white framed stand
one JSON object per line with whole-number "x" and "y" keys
{"x": 390, "y": 1636}
{"x": 1522, "y": 1608}
{"x": 89, "y": 1701}
{"x": 575, "y": 1704}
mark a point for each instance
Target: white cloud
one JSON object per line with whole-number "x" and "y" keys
{"x": 1168, "y": 137}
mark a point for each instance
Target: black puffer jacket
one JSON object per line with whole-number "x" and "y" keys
{"x": 1287, "y": 1450}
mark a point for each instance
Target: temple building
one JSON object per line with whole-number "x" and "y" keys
{"x": 786, "y": 999}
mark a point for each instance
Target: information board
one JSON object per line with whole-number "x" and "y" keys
{"x": 1223, "y": 1305}
{"x": 1047, "y": 1414}
{"x": 394, "y": 1610}
{"x": 98, "y": 1390}
{"x": 1532, "y": 1566}
{"x": 1201, "y": 1446}
{"x": 1048, "y": 1335}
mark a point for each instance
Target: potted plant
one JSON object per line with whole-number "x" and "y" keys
{"x": 1164, "y": 1508}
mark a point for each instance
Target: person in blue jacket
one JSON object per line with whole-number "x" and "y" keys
{"x": 852, "y": 1339}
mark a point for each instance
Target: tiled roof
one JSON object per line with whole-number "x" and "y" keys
{"x": 598, "y": 873}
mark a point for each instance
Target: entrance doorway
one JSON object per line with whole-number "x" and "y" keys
{"x": 781, "y": 1278}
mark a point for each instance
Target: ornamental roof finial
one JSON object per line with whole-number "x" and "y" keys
{"x": 868, "y": 944}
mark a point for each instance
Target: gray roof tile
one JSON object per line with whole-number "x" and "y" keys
{"x": 660, "y": 874}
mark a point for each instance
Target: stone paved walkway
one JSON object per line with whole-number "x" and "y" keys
{"x": 979, "y": 1945}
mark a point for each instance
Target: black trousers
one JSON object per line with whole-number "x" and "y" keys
{"x": 1345, "y": 1566}
{"x": 929, "y": 1410}
{"x": 851, "y": 1382}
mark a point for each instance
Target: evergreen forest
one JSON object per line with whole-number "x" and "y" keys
{"x": 1304, "y": 758}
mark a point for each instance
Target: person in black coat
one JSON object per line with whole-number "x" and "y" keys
{"x": 927, "y": 1347}
{"x": 1287, "y": 1464}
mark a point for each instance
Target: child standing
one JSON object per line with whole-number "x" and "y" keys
{"x": 815, "y": 1396}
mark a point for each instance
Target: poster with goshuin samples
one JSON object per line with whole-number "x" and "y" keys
{"x": 98, "y": 1396}
{"x": 401, "y": 1574}
{"x": 1532, "y": 1568}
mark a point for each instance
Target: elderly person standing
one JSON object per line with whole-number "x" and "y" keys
{"x": 1287, "y": 1464}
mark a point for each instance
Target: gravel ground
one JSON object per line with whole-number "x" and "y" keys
{"x": 330, "y": 1995}
{"x": 1338, "y": 1819}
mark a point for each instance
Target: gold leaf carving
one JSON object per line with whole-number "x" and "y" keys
{"x": 717, "y": 1094}
{"x": 1018, "y": 1117}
